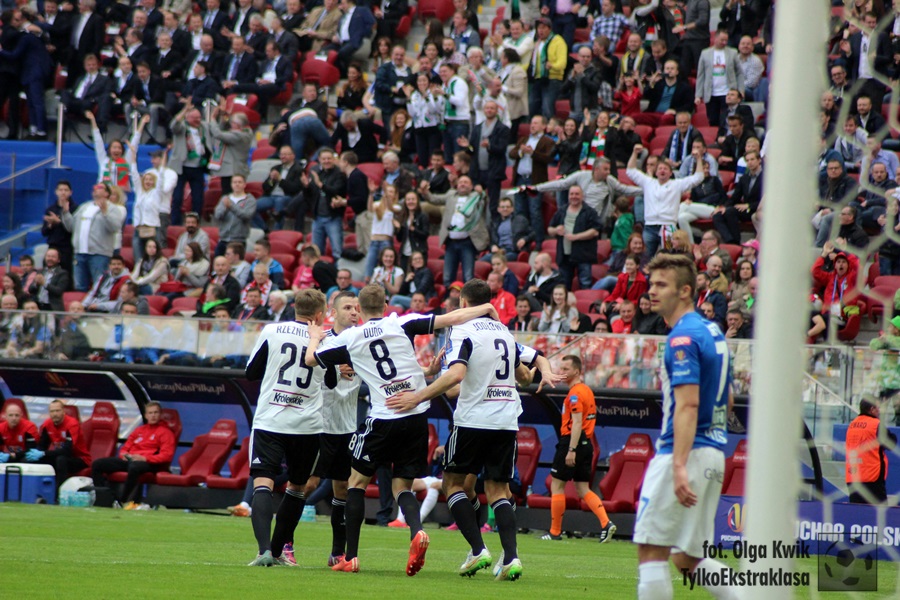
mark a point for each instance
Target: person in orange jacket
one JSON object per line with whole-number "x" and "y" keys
{"x": 866, "y": 466}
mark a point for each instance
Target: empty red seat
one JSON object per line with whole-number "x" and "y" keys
{"x": 205, "y": 457}
{"x": 72, "y": 411}
{"x": 521, "y": 269}
{"x": 183, "y": 304}
{"x": 157, "y": 304}
{"x": 622, "y": 484}
{"x": 101, "y": 432}
{"x": 733, "y": 250}
{"x": 543, "y": 501}
{"x": 528, "y": 455}
{"x": 238, "y": 466}
{"x": 482, "y": 269}
{"x": 292, "y": 238}
{"x": 735, "y": 471}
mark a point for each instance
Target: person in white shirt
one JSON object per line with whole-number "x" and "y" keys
{"x": 662, "y": 196}
{"x": 147, "y": 193}
{"x": 167, "y": 179}
{"x": 456, "y": 109}
{"x": 287, "y": 423}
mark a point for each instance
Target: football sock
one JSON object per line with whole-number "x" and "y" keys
{"x": 557, "y": 510}
{"x": 596, "y": 505}
{"x": 722, "y": 592}
{"x": 505, "y": 518}
{"x": 261, "y": 517}
{"x": 409, "y": 506}
{"x": 354, "y": 513}
{"x": 654, "y": 581}
{"x": 428, "y": 504}
{"x": 464, "y": 514}
{"x": 338, "y": 527}
{"x": 286, "y": 519}
{"x": 481, "y": 513}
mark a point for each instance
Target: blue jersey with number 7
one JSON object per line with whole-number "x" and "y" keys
{"x": 697, "y": 354}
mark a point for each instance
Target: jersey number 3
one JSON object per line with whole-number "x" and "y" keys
{"x": 291, "y": 350}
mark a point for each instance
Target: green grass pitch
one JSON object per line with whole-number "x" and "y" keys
{"x": 54, "y": 552}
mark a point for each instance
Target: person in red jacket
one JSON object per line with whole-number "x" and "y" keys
{"x": 149, "y": 448}
{"x": 61, "y": 444}
{"x": 625, "y": 322}
{"x": 17, "y": 435}
{"x": 631, "y": 284}
{"x": 503, "y": 301}
{"x": 838, "y": 285}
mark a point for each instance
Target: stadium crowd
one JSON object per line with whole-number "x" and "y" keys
{"x": 552, "y": 152}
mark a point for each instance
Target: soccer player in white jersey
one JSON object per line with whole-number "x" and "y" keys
{"x": 381, "y": 352}
{"x": 483, "y": 359}
{"x": 286, "y": 425}
{"x": 339, "y": 403}
{"x": 680, "y": 493}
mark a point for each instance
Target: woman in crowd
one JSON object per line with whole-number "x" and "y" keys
{"x": 402, "y": 137}
{"x": 112, "y": 166}
{"x": 387, "y": 274}
{"x": 631, "y": 284}
{"x": 152, "y": 270}
{"x": 12, "y": 286}
{"x": 635, "y": 247}
{"x": 412, "y": 229}
{"x": 351, "y": 95}
{"x": 434, "y": 34}
{"x": 419, "y": 279}
{"x": 628, "y": 95}
{"x": 558, "y": 315}
{"x": 147, "y": 195}
{"x": 382, "y": 226}
{"x": 682, "y": 243}
{"x": 381, "y": 52}
{"x": 193, "y": 271}
{"x": 740, "y": 291}
{"x": 595, "y": 139}
{"x": 647, "y": 321}
{"x": 500, "y": 266}
{"x": 426, "y": 111}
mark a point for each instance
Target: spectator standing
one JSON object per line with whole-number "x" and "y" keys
{"x": 412, "y": 228}
{"x": 327, "y": 189}
{"x": 94, "y": 226}
{"x": 576, "y": 228}
{"x": 455, "y": 93}
{"x": 188, "y": 160}
{"x": 382, "y": 233}
{"x": 487, "y": 144}
{"x": 229, "y": 148}
{"x": 548, "y": 65}
{"x": 866, "y": 467}
{"x": 463, "y": 229}
{"x": 695, "y": 32}
{"x": 532, "y": 153}
{"x": 234, "y": 213}
{"x": 58, "y": 236}
{"x": 510, "y": 233}
{"x": 717, "y": 72}
{"x": 282, "y": 184}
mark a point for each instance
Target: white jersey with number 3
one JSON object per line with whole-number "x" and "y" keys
{"x": 381, "y": 352}
{"x": 290, "y": 397}
{"x": 488, "y": 398}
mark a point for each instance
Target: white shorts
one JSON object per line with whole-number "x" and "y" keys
{"x": 662, "y": 520}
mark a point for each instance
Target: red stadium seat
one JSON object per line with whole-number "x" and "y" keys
{"x": 287, "y": 260}
{"x": 562, "y": 108}
{"x": 433, "y": 441}
{"x": 262, "y": 153}
{"x": 319, "y": 72}
{"x": 482, "y": 269}
{"x": 182, "y": 304}
{"x": 373, "y": 170}
{"x": 521, "y": 269}
{"x": 127, "y": 236}
{"x": 205, "y": 457}
{"x": 735, "y": 470}
{"x": 733, "y": 250}
{"x": 727, "y": 178}
{"x": 543, "y": 501}
{"x": 709, "y": 134}
{"x": 127, "y": 255}
{"x": 284, "y": 247}
{"x": 238, "y": 466}
{"x": 599, "y": 271}
{"x": 173, "y": 420}
{"x": 393, "y": 310}
{"x": 403, "y": 27}
{"x": 293, "y": 238}
{"x": 16, "y": 401}
{"x": 72, "y": 411}
{"x": 101, "y": 432}
{"x": 645, "y": 131}
{"x": 621, "y": 485}
{"x": 604, "y": 249}
{"x": 69, "y": 297}
{"x": 441, "y": 9}
{"x": 528, "y": 456}
{"x": 173, "y": 233}
{"x": 436, "y": 266}
{"x": 157, "y": 303}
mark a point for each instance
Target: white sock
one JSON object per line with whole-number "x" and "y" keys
{"x": 722, "y": 592}
{"x": 655, "y": 581}
{"x": 431, "y": 498}
{"x": 245, "y": 505}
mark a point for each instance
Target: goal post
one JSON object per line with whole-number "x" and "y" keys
{"x": 797, "y": 81}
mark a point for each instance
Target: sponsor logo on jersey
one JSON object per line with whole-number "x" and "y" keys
{"x": 681, "y": 340}
{"x": 573, "y": 399}
{"x": 287, "y": 399}
{"x": 501, "y": 393}
{"x": 679, "y": 355}
{"x": 395, "y": 387}
{"x": 256, "y": 461}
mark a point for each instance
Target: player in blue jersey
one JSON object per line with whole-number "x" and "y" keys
{"x": 677, "y": 507}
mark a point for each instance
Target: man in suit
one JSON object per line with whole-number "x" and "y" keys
{"x": 734, "y": 106}
{"x": 718, "y": 71}
{"x": 58, "y": 25}
{"x": 279, "y": 309}
{"x": 197, "y": 89}
{"x": 358, "y": 135}
{"x": 319, "y": 26}
{"x": 743, "y": 203}
{"x": 240, "y": 21}
{"x": 668, "y": 96}
{"x": 9, "y": 69}
{"x": 514, "y": 86}
{"x": 132, "y": 45}
{"x": 181, "y": 39}
{"x": 867, "y": 117}
{"x": 188, "y": 159}
{"x": 49, "y": 285}
{"x": 88, "y": 36}
{"x": 214, "y": 20}
{"x": 487, "y": 145}
{"x": 276, "y": 74}
{"x": 208, "y": 54}
{"x": 294, "y": 15}
{"x": 355, "y": 27}
{"x": 122, "y": 87}
{"x": 678, "y": 148}
{"x": 694, "y": 33}
{"x": 582, "y": 84}
{"x": 240, "y": 67}
{"x": 734, "y": 145}
{"x": 282, "y": 184}
{"x": 388, "y": 14}
{"x": 35, "y": 67}
{"x": 166, "y": 62}
{"x": 148, "y": 98}
{"x": 252, "y": 309}
{"x": 91, "y": 88}
{"x": 389, "y": 81}
{"x": 740, "y": 18}
{"x": 222, "y": 276}
{"x": 864, "y": 61}
{"x": 257, "y": 37}
{"x": 532, "y": 154}
{"x": 288, "y": 42}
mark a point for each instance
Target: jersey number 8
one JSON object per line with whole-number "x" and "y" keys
{"x": 383, "y": 361}
{"x": 291, "y": 349}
